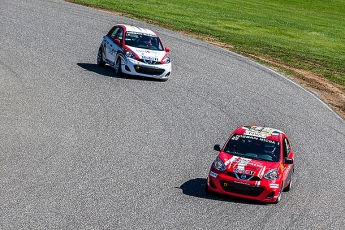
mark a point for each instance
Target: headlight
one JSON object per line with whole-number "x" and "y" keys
{"x": 219, "y": 164}
{"x": 271, "y": 175}
{"x": 166, "y": 59}
{"x": 130, "y": 54}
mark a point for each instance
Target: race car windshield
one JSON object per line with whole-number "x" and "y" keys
{"x": 253, "y": 148}
{"x": 145, "y": 41}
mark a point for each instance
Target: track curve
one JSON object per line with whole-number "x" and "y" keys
{"x": 83, "y": 149}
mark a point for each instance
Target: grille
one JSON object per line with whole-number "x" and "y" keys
{"x": 241, "y": 189}
{"x": 151, "y": 62}
{"x": 148, "y": 70}
{"x": 254, "y": 178}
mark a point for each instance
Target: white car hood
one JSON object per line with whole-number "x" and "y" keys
{"x": 146, "y": 54}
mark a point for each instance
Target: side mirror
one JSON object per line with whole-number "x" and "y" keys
{"x": 167, "y": 49}
{"x": 217, "y": 147}
{"x": 117, "y": 41}
{"x": 288, "y": 160}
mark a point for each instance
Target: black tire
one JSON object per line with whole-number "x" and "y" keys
{"x": 279, "y": 196}
{"x": 100, "y": 61}
{"x": 289, "y": 187}
{"x": 118, "y": 70}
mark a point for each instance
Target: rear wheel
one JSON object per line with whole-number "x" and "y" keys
{"x": 118, "y": 70}
{"x": 100, "y": 61}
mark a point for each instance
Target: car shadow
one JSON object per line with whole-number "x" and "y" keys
{"x": 110, "y": 72}
{"x": 196, "y": 187}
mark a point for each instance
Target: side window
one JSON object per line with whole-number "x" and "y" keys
{"x": 118, "y": 34}
{"x": 286, "y": 147}
{"x": 113, "y": 33}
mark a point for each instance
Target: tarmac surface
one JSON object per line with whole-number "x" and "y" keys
{"x": 84, "y": 149}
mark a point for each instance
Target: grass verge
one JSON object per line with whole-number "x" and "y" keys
{"x": 303, "y": 39}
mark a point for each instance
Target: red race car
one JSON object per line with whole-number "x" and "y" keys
{"x": 255, "y": 163}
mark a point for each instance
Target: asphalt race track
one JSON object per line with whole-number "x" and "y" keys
{"x": 83, "y": 149}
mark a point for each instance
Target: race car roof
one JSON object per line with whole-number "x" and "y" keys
{"x": 137, "y": 29}
{"x": 257, "y": 131}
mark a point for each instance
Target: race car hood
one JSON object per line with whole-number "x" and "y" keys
{"x": 250, "y": 167}
{"x": 147, "y": 54}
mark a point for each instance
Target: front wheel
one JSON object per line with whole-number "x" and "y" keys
{"x": 207, "y": 191}
{"x": 118, "y": 70}
{"x": 279, "y": 195}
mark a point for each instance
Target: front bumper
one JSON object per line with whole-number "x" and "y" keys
{"x": 260, "y": 190}
{"x": 137, "y": 68}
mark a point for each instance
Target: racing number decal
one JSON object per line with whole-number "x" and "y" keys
{"x": 149, "y": 58}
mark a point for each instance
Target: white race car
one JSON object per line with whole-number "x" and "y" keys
{"x": 135, "y": 51}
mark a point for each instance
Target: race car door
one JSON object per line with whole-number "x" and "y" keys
{"x": 287, "y": 173}
{"x": 111, "y": 47}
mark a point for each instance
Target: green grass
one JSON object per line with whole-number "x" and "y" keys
{"x": 307, "y": 34}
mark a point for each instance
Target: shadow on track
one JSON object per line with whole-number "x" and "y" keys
{"x": 196, "y": 188}
{"x": 110, "y": 72}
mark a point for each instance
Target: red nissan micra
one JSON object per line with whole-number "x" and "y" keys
{"x": 255, "y": 163}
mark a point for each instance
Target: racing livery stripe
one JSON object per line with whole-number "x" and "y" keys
{"x": 139, "y": 28}
{"x": 243, "y": 162}
{"x": 261, "y": 172}
{"x": 240, "y": 162}
{"x": 232, "y": 159}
